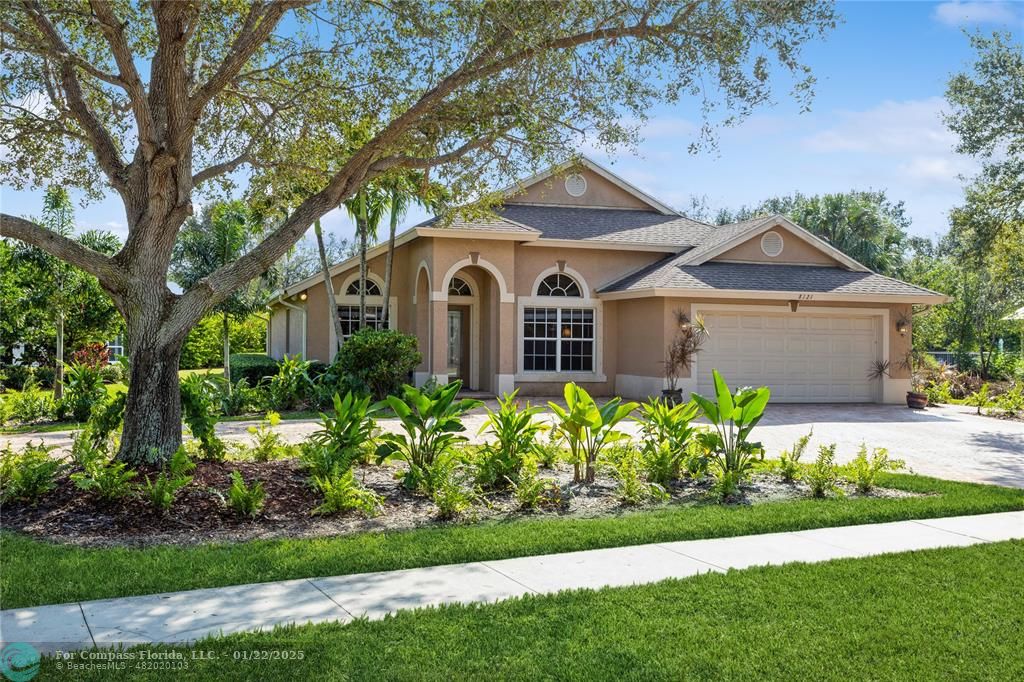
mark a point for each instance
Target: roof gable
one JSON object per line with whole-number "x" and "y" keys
{"x": 604, "y": 189}
{"x": 726, "y": 237}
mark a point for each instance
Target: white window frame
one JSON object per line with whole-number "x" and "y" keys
{"x": 561, "y": 302}
{"x": 370, "y": 300}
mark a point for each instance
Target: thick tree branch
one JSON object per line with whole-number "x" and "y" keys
{"x": 255, "y": 31}
{"x": 102, "y": 142}
{"x": 113, "y": 29}
{"x": 361, "y": 167}
{"x": 93, "y": 262}
{"x": 218, "y": 169}
{"x": 403, "y": 161}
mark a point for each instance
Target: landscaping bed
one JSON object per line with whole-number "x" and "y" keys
{"x": 201, "y": 514}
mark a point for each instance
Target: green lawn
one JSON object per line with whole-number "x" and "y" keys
{"x": 947, "y": 614}
{"x": 36, "y": 572}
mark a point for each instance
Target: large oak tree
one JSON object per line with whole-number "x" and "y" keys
{"x": 156, "y": 101}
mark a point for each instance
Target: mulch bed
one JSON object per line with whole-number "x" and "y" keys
{"x": 200, "y": 513}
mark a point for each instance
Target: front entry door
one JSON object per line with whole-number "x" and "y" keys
{"x": 455, "y": 368}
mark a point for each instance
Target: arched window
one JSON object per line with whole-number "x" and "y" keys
{"x": 559, "y": 284}
{"x": 459, "y": 287}
{"x": 372, "y": 288}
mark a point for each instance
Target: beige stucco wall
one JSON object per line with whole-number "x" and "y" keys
{"x": 794, "y": 250}
{"x": 600, "y": 193}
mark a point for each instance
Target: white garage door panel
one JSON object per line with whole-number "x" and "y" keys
{"x": 802, "y": 358}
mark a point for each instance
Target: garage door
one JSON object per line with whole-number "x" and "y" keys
{"x": 802, "y": 358}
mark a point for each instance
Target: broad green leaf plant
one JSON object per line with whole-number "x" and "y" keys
{"x": 515, "y": 434}
{"x": 733, "y": 416}
{"x": 431, "y": 428}
{"x": 588, "y": 427}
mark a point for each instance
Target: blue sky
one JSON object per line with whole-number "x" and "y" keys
{"x": 875, "y": 123}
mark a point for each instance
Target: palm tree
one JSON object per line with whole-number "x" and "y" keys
{"x": 366, "y": 208}
{"x": 221, "y": 235}
{"x": 332, "y": 302}
{"x": 400, "y": 193}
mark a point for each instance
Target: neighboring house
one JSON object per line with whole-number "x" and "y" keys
{"x": 578, "y": 278}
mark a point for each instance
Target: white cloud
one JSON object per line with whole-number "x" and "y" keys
{"x": 887, "y": 128}
{"x": 958, "y": 13}
{"x": 908, "y": 136}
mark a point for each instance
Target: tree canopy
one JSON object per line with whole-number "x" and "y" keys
{"x": 152, "y": 101}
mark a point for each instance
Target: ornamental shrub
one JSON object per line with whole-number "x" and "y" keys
{"x": 377, "y": 361}
{"x": 253, "y": 367}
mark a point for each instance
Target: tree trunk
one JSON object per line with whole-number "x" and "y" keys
{"x": 361, "y": 228}
{"x": 387, "y": 265}
{"x": 152, "y": 416}
{"x": 58, "y": 377}
{"x": 227, "y": 351}
{"x": 332, "y": 302}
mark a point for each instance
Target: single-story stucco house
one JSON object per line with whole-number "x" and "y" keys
{"x": 578, "y": 277}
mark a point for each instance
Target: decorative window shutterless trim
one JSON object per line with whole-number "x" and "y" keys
{"x": 372, "y": 288}
{"x": 459, "y": 287}
{"x": 559, "y": 284}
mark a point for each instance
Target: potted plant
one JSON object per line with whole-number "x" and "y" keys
{"x": 685, "y": 345}
{"x": 916, "y": 400}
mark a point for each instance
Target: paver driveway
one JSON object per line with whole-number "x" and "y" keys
{"x": 946, "y": 442}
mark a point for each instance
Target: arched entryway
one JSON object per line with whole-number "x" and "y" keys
{"x": 472, "y": 336}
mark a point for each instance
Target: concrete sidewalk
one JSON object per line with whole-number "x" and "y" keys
{"x": 187, "y": 616}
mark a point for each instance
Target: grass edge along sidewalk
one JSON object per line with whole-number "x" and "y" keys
{"x": 933, "y": 614}
{"x": 36, "y": 572}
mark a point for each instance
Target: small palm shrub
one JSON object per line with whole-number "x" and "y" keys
{"x": 979, "y": 398}
{"x": 199, "y": 407}
{"x": 864, "y": 470}
{"x": 31, "y": 404}
{"x": 29, "y": 474}
{"x": 162, "y": 490}
{"x": 237, "y": 398}
{"x": 588, "y": 428}
{"x": 666, "y": 431}
{"x": 108, "y": 479}
{"x": 106, "y": 418}
{"x": 515, "y": 437}
{"x": 548, "y": 451}
{"x": 431, "y": 427}
{"x": 267, "y": 443}
{"x": 343, "y": 434}
{"x": 789, "y": 460}
{"x": 290, "y": 387}
{"x": 83, "y": 389}
{"x": 446, "y": 482}
{"x": 1011, "y": 403}
{"x": 342, "y": 493}
{"x": 696, "y": 459}
{"x": 533, "y": 492}
{"x": 726, "y": 485}
{"x": 245, "y": 500}
{"x": 823, "y": 475}
{"x": 633, "y": 487}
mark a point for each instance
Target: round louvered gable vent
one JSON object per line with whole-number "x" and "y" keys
{"x": 771, "y": 244}
{"x": 575, "y": 185}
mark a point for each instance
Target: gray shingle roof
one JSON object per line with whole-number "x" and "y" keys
{"x": 670, "y": 273}
{"x": 722, "y": 234}
{"x": 495, "y": 223}
{"x": 612, "y": 225}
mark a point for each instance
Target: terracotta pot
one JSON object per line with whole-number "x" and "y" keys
{"x": 672, "y": 396}
{"x": 917, "y": 401}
